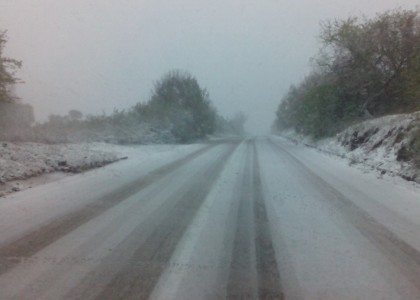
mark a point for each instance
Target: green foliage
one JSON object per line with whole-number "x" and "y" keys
{"x": 313, "y": 112}
{"x": 179, "y": 103}
{"x": 15, "y": 118}
{"x": 8, "y": 67}
{"x": 368, "y": 67}
{"x": 178, "y": 111}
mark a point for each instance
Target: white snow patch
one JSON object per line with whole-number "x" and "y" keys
{"x": 381, "y": 144}
{"x": 20, "y": 161}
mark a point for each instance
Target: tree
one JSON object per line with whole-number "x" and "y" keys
{"x": 366, "y": 67}
{"x": 376, "y": 61}
{"x": 8, "y": 68}
{"x": 75, "y": 115}
{"x": 179, "y": 103}
{"x": 15, "y": 118}
{"x": 238, "y": 123}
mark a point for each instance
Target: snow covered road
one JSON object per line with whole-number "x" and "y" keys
{"x": 259, "y": 218}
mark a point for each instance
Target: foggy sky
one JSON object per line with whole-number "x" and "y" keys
{"x": 100, "y": 54}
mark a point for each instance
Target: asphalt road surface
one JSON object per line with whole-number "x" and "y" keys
{"x": 244, "y": 219}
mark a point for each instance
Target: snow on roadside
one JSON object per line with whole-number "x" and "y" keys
{"x": 389, "y": 144}
{"x": 19, "y": 161}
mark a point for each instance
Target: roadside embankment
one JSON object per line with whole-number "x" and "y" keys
{"x": 21, "y": 161}
{"x": 390, "y": 144}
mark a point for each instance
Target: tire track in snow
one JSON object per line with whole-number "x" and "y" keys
{"x": 251, "y": 279}
{"x": 242, "y": 282}
{"x": 269, "y": 281}
{"x": 137, "y": 278}
{"x": 399, "y": 252}
{"x": 32, "y": 242}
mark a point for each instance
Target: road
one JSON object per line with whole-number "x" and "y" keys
{"x": 254, "y": 219}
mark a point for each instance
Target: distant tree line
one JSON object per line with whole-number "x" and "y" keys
{"x": 179, "y": 111}
{"x": 365, "y": 68}
{"x": 234, "y": 125}
{"x": 15, "y": 117}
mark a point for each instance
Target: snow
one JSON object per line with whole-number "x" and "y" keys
{"x": 43, "y": 203}
{"x": 86, "y": 246}
{"x": 321, "y": 255}
{"x": 20, "y": 161}
{"x": 373, "y": 144}
{"x": 202, "y": 255}
{"x": 25, "y": 165}
{"x": 23, "y": 160}
{"x": 320, "y": 252}
{"x": 389, "y": 199}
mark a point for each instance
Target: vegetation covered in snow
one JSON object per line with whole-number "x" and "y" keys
{"x": 389, "y": 144}
{"x": 178, "y": 111}
{"x": 19, "y": 161}
{"x": 366, "y": 68}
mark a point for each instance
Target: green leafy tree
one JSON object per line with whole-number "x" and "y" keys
{"x": 8, "y": 68}
{"x": 179, "y": 103}
{"x": 366, "y": 67}
{"x": 376, "y": 61}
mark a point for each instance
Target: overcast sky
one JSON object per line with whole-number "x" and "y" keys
{"x": 97, "y": 55}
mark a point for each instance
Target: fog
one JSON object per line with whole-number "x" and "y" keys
{"x": 95, "y": 56}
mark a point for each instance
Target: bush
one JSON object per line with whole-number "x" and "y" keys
{"x": 180, "y": 104}
{"x": 368, "y": 67}
{"x": 179, "y": 111}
